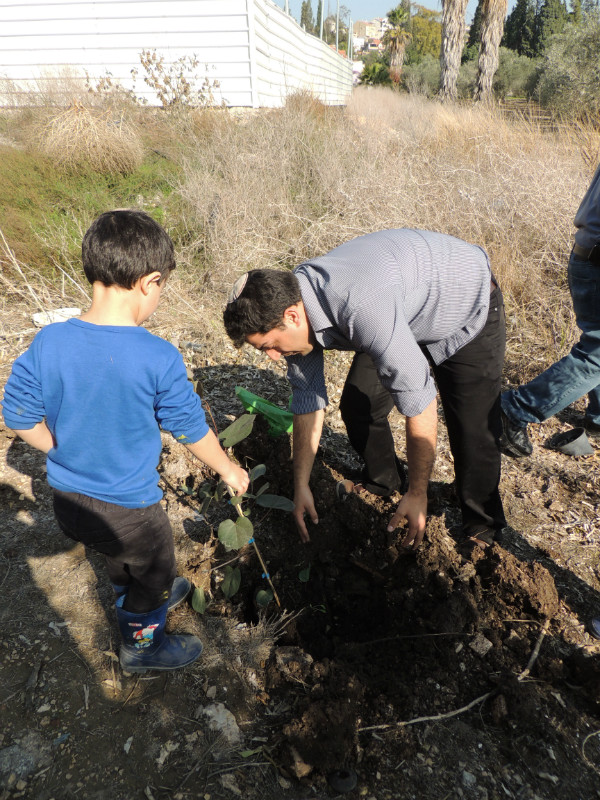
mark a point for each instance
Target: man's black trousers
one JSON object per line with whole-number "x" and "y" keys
{"x": 469, "y": 386}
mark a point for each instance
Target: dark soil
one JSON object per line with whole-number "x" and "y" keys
{"x": 433, "y": 674}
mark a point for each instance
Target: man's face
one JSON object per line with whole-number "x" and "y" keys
{"x": 293, "y": 338}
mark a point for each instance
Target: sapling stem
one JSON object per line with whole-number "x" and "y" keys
{"x": 260, "y": 558}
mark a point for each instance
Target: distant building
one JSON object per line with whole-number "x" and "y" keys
{"x": 365, "y": 30}
{"x": 255, "y": 54}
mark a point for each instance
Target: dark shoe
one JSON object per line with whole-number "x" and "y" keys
{"x": 594, "y": 627}
{"x": 592, "y": 428}
{"x": 476, "y": 541}
{"x": 145, "y": 645}
{"x": 179, "y": 591}
{"x": 514, "y": 440}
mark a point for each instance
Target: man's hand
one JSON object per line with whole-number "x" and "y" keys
{"x": 421, "y": 436}
{"x": 307, "y": 433}
{"x": 304, "y": 504}
{"x": 412, "y": 508}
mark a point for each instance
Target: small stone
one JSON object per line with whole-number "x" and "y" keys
{"x": 222, "y": 720}
{"x": 229, "y": 782}
{"x": 481, "y": 645}
{"x": 468, "y": 779}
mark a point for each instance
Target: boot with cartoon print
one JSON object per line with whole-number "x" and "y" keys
{"x": 145, "y": 645}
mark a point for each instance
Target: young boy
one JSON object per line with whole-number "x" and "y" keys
{"x": 93, "y": 393}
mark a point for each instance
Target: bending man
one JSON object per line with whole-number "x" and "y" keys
{"x": 409, "y": 302}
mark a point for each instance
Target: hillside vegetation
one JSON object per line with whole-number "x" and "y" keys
{"x": 271, "y": 188}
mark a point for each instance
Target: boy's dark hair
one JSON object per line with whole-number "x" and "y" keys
{"x": 122, "y": 246}
{"x": 258, "y": 301}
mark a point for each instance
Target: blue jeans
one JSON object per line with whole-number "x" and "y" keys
{"x": 576, "y": 374}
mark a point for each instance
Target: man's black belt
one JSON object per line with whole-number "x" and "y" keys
{"x": 588, "y": 254}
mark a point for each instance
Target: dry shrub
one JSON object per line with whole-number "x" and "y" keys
{"x": 84, "y": 137}
{"x": 511, "y": 186}
{"x": 51, "y": 89}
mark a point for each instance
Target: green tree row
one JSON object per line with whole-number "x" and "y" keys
{"x": 530, "y": 26}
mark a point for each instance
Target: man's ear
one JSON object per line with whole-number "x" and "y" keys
{"x": 146, "y": 282}
{"x": 294, "y": 315}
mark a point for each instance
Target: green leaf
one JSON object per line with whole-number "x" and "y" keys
{"x": 245, "y": 529}
{"x": 205, "y": 504}
{"x": 304, "y": 574}
{"x": 257, "y": 472}
{"x": 238, "y": 430}
{"x": 250, "y": 753}
{"x": 205, "y": 490}
{"x": 234, "y": 535}
{"x": 275, "y": 501}
{"x": 262, "y": 489}
{"x": 228, "y": 535}
{"x": 186, "y": 489}
{"x": 263, "y": 597}
{"x": 236, "y": 500}
{"x": 231, "y": 581}
{"x": 199, "y": 602}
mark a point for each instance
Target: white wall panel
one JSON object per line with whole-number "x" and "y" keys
{"x": 254, "y": 50}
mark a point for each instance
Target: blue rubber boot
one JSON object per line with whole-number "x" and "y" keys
{"x": 594, "y": 627}
{"x": 179, "y": 591}
{"x": 145, "y": 645}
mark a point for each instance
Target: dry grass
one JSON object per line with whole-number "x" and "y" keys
{"x": 287, "y": 185}
{"x": 82, "y": 137}
{"x": 272, "y": 188}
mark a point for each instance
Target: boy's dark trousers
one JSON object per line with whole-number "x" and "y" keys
{"x": 469, "y": 385}
{"x": 137, "y": 543}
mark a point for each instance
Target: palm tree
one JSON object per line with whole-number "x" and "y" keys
{"x": 395, "y": 40}
{"x": 453, "y": 39}
{"x": 492, "y": 28}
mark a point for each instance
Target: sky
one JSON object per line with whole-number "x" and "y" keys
{"x": 368, "y": 9}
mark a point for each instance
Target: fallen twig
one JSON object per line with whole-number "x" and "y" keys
{"x": 434, "y": 718}
{"x": 32, "y": 682}
{"x": 536, "y": 651}
{"x": 260, "y": 558}
{"x": 477, "y": 701}
{"x": 585, "y": 758}
{"x": 407, "y": 636}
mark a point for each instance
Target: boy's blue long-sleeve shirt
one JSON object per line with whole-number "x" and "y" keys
{"x": 105, "y": 392}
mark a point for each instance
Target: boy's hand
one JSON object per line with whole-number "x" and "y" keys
{"x": 237, "y": 478}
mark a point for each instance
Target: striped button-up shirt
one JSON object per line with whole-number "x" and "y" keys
{"x": 391, "y": 294}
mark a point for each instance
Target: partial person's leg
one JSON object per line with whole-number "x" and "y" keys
{"x": 575, "y": 375}
{"x": 592, "y": 412}
{"x": 365, "y": 405}
{"x": 469, "y": 385}
{"x": 137, "y": 543}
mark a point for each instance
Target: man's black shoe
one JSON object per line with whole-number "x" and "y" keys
{"x": 514, "y": 439}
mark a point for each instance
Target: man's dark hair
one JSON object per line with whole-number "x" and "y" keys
{"x": 122, "y": 246}
{"x": 260, "y": 305}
